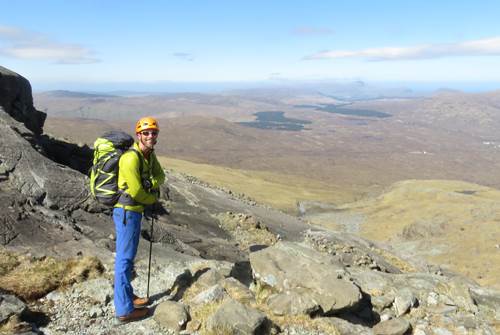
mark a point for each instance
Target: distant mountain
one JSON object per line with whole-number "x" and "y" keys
{"x": 72, "y": 94}
{"x": 345, "y": 91}
{"x": 441, "y": 91}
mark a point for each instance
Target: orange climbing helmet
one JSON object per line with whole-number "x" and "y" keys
{"x": 146, "y": 123}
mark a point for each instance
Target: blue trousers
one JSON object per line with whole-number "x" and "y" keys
{"x": 128, "y": 229}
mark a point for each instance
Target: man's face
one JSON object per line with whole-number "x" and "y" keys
{"x": 148, "y": 138}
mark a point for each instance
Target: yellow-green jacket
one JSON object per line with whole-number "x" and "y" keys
{"x": 134, "y": 196}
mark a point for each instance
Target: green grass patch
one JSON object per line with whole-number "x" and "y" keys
{"x": 280, "y": 191}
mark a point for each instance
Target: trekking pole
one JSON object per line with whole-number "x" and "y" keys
{"x": 150, "y": 251}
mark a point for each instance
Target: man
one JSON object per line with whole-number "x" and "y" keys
{"x": 139, "y": 178}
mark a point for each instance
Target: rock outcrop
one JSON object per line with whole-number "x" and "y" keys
{"x": 17, "y": 100}
{"x": 235, "y": 318}
{"x": 37, "y": 195}
{"x": 300, "y": 280}
{"x": 9, "y": 306}
{"x": 39, "y": 179}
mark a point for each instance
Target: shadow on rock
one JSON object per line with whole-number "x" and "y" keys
{"x": 40, "y": 319}
{"x": 242, "y": 271}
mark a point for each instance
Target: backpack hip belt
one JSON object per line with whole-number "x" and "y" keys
{"x": 126, "y": 200}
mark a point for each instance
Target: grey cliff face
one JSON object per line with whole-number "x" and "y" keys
{"x": 40, "y": 179}
{"x": 17, "y": 100}
{"x": 38, "y": 194}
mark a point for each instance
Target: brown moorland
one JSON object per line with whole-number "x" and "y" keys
{"x": 448, "y": 136}
{"x": 447, "y": 145}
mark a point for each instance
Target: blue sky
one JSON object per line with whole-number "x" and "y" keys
{"x": 56, "y": 43}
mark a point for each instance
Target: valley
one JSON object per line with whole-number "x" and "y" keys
{"x": 392, "y": 170}
{"x": 447, "y": 136}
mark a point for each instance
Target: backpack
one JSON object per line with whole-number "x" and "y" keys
{"x": 104, "y": 171}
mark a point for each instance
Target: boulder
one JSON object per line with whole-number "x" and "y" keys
{"x": 396, "y": 326}
{"x": 9, "y": 306}
{"x": 292, "y": 267}
{"x": 223, "y": 267}
{"x": 237, "y": 290}
{"x": 292, "y": 303}
{"x": 171, "y": 315}
{"x": 212, "y": 294}
{"x": 382, "y": 302}
{"x": 235, "y": 318}
{"x": 404, "y": 300}
{"x": 344, "y": 327}
{"x": 210, "y": 278}
{"x": 372, "y": 282}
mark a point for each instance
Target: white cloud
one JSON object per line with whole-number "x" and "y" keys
{"x": 483, "y": 47}
{"x": 184, "y": 56}
{"x": 22, "y": 44}
{"x": 11, "y": 32}
{"x": 306, "y": 30}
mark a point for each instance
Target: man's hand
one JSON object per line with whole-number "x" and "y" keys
{"x": 146, "y": 184}
{"x": 157, "y": 208}
{"x": 150, "y": 211}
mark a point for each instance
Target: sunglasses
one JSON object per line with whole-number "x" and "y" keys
{"x": 147, "y": 133}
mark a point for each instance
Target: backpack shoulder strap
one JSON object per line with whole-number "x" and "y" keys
{"x": 141, "y": 163}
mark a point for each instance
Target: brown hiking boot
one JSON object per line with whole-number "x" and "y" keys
{"x": 137, "y": 314}
{"x": 140, "y": 302}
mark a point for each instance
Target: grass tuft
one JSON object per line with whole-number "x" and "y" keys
{"x": 8, "y": 262}
{"x": 246, "y": 230}
{"x": 203, "y": 312}
{"x": 32, "y": 278}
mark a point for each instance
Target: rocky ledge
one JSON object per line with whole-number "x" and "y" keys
{"x": 293, "y": 288}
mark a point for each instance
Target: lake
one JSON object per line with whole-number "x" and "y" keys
{"x": 275, "y": 120}
{"x": 336, "y": 109}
